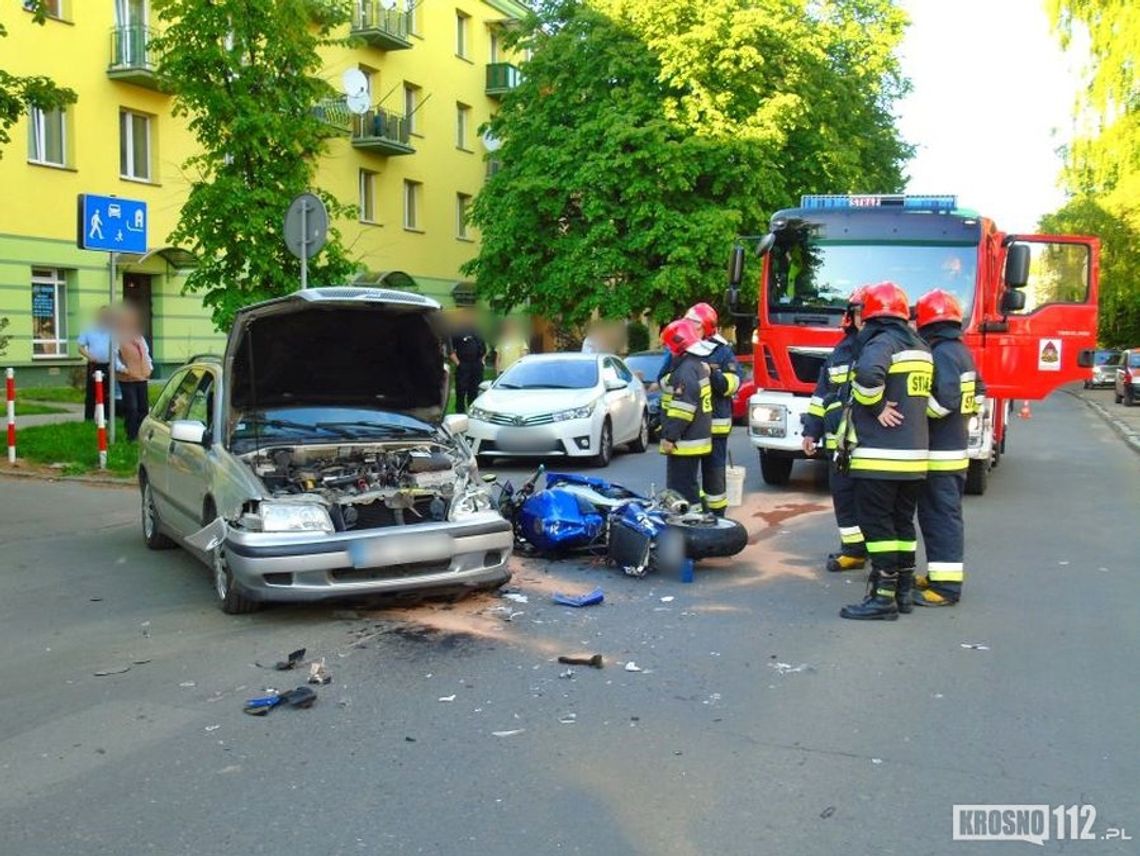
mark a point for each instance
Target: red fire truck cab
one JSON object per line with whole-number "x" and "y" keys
{"x": 1030, "y": 304}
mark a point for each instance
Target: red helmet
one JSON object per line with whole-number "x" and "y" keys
{"x": 885, "y": 300}
{"x": 704, "y": 316}
{"x": 938, "y": 305}
{"x": 680, "y": 335}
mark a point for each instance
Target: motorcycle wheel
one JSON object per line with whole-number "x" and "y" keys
{"x": 707, "y": 538}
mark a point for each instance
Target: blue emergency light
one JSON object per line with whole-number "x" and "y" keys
{"x": 934, "y": 204}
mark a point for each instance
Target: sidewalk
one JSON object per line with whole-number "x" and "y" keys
{"x": 1124, "y": 420}
{"x": 74, "y": 413}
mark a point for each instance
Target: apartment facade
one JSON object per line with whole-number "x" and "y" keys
{"x": 411, "y": 163}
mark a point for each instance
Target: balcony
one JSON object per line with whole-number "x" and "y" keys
{"x": 132, "y": 60}
{"x": 333, "y": 113}
{"x": 502, "y": 77}
{"x": 382, "y": 132}
{"x": 386, "y": 29}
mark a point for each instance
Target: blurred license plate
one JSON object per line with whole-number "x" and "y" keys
{"x": 401, "y": 550}
{"x": 522, "y": 440}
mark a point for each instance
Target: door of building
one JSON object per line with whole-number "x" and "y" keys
{"x": 137, "y": 292}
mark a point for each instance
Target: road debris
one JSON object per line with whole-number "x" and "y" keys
{"x": 827, "y": 812}
{"x": 593, "y": 660}
{"x": 211, "y": 728}
{"x": 975, "y": 646}
{"x": 568, "y": 719}
{"x": 589, "y": 599}
{"x": 102, "y": 673}
{"x": 447, "y": 698}
{"x": 318, "y": 674}
{"x": 301, "y": 697}
{"x": 667, "y": 599}
{"x": 789, "y": 669}
{"x": 144, "y": 628}
{"x": 294, "y": 659}
{"x": 516, "y": 597}
{"x": 187, "y": 684}
{"x": 632, "y": 667}
{"x": 567, "y": 675}
{"x": 510, "y": 733}
{"x": 876, "y": 760}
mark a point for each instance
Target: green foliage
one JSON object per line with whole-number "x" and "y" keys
{"x": 245, "y": 74}
{"x": 637, "y": 336}
{"x": 17, "y": 93}
{"x": 4, "y": 340}
{"x": 646, "y": 135}
{"x": 1119, "y": 265}
{"x": 74, "y": 445}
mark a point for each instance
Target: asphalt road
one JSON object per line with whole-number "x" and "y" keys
{"x": 713, "y": 747}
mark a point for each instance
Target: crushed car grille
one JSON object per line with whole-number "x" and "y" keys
{"x": 376, "y": 515}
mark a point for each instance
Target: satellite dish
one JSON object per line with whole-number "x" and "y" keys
{"x": 359, "y": 103}
{"x": 355, "y": 82}
{"x": 490, "y": 142}
{"x": 388, "y": 4}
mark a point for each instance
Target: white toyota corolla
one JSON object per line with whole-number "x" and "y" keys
{"x": 549, "y": 405}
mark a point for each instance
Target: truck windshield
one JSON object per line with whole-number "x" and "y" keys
{"x": 810, "y": 279}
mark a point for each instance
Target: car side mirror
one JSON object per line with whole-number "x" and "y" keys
{"x": 456, "y": 423}
{"x": 613, "y": 384}
{"x": 1017, "y": 265}
{"x": 1012, "y": 301}
{"x": 188, "y": 431}
{"x": 1086, "y": 358}
{"x": 486, "y": 385}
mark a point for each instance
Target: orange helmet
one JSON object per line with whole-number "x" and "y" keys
{"x": 704, "y": 316}
{"x": 885, "y": 300}
{"x": 938, "y": 305}
{"x": 680, "y": 335}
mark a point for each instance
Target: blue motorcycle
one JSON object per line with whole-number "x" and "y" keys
{"x": 589, "y": 515}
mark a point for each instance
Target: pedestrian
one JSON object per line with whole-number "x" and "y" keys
{"x": 468, "y": 353}
{"x": 820, "y": 424}
{"x": 724, "y": 378}
{"x": 956, "y": 394}
{"x": 95, "y": 347}
{"x": 686, "y": 428}
{"x": 512, "y": 346}
{"x": 133, "y": 368}
{"x": 883, "y": 439}
{"x": 591, "y": 344}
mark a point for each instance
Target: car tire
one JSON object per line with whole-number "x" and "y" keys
{"x": 605, "y": 445}
{"x": 230, "y": 599}
{"x": 709, "y": 539}
{"x": 977, "y": 477}
{"x": 1088, "y": 385}
{"x": 151, "y": 528}
{"x": 776, "y": 470}
{"x": 641, "y": 442}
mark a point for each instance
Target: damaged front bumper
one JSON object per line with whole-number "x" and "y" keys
{"x": 305, "y": 566}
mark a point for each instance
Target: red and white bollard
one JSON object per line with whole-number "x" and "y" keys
{"x": 100, "y": 421}
{"x": 11, "y": 388}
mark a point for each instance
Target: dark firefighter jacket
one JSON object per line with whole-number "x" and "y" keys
{"x": 894, "y": 365}
{"x": 724, "y": 378}
{"x": 687, "y": 415}
{"x": 830, "y": 391}
{"x": 955, "y": 395}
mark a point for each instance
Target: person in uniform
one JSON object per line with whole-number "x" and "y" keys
{"x": 955, "y": 395}
{"x": 468, "y": 353}
{"x": 820, "y": 424}
{"x": 686, "y": 428}
{"x": 884, "y": 440}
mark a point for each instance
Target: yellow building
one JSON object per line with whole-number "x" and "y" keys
{"x": 411, "y": 163}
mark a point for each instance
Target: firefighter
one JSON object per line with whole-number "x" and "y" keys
{"x": 954, "y": 397}
{"x": 884, "y": 441}
{"x": 820, "y": 424}
{"x": 686, "y": 427}
{"x": 724, "y": 378}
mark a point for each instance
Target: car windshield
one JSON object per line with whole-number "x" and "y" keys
{"x": 322, "y": 424}
{"x": 1107, "y": 358}
{"x": 809, "y": 279}
{"x": 1134, "y": 361}
{"x": 646, "y": 366}
{"x": 550, "y": 374}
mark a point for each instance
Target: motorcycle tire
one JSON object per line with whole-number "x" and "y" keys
{"x": 712, "y": 538}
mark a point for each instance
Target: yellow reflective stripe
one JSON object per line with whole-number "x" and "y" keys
{"x": 945, "y": 572}
{"x": 831, "y": 442}
{"x": 883, "y": 466}
{"x": 687, "y": 448}
{"x": 815, "y": 410}
{"x": 683, "y": 405}
{"x": 835, "y": 405}
{"x": 719, "y": 500}
{"x": 949, "y": 466}
{"x": 851, "y": 538}
{"x": 906, "y": 356}
{"x": 911, "y": 366}
{"x": 934, "y": 408}
{"x": 894, "y": 454}
{"x": 968, "y": 376}
{"x": 732, "y": 384}
{"x": 867, "y": 395}
{"x": 882, "y": 546}
{"x": 672, "y": 412}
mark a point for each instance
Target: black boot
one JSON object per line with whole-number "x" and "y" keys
{"x": 905, "y": 596}
{"x": 879, "y": 604}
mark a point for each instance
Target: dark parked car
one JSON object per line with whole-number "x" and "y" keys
{"x": 647, "y": 366}
{"x": 1127, "y": 383}
{"x": 1104, "y": 369}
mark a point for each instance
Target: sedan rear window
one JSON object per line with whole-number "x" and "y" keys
{"x": 550, "y": 374}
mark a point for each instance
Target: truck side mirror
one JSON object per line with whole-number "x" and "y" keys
{"x": 736, "y": 267}
{"x": 732, "y": 298}
{"x": 1017, "y": 265}
{"x": 765, "y": 244}
{"x": 1012, "y": 301}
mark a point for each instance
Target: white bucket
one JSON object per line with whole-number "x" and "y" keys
{"x": 734, "y": 485}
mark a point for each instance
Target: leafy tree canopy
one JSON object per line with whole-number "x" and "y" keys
{"x": 645, "y": 136}
{"x": 245, "y": 74}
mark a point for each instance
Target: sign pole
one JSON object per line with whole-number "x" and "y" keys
{"x": 304, "y": 244}
{"x": 113, "y": 355}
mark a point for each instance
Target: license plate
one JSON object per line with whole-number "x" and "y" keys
{"x": 378, "y": 552}
{"x": 523, "y": 441}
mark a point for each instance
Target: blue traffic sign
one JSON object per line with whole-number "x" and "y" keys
{"x": 111, "y": 224}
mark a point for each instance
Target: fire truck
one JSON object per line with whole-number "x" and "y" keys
{"x": 1030, "y": 304}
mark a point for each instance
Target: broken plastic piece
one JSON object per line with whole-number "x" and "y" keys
{"x": 209, "y": 536}
{"x": 318, "y": 674}
{"x": 102, "y": 673}
{"x": 515, "y": 597}
{"x": 292, "y": 662}
{"x": 632, "y": 667}
{"x": 301, "y": 697}
{"x": 510, "y": 733}
{"x": 589, "y": 599}
{"x": 593, "y": 660}
{"x": 975, "y": 646}
{"x": 261, "y": 705}
{"x": 447, "y": 697}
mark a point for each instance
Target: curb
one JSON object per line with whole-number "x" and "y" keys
{"x": 98, "y": 481}
{"x": 1131, "y": 437}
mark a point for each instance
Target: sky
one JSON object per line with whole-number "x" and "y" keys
{"x": 992, "y": 101}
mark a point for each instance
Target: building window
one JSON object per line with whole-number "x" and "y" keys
{"x": 414, "y": 21}
{"x": 53, "y": 8}
{"x": 462, "y": 214}
{"x": 413, "y": 195}
{"x": 494, "y": 54}
{"x": 49, "y": 312}
{"x": 134, "y": 146}
{"x": 47, "y": 136}
{"x": 462, "y": 33}
{"x": 462, "y": 126}
{"x": 367, "y": 196}
{"x": 411, "y": 105}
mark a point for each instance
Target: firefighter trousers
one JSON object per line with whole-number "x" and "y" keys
{"x": 943, "y": 532}
{"x": 713, "y": 476}
{"x": 843, "y": 498}
{"x": 681, "y": 473}
{"x": 884, "y": 509}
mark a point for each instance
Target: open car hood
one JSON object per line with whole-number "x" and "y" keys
{"x": 339, "y": 346}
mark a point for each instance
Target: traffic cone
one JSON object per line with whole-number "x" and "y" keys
{"x": 1025, "y": 412}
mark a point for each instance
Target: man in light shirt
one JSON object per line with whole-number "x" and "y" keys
{"x": 512, "y": 346}
{"x": 95, "y": 347}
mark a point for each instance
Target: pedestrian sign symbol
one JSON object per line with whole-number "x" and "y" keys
{"x": 111, "y": 224}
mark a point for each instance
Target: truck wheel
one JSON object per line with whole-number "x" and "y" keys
{"x": 977, "y": 477}
{"x": 775, "y": 469}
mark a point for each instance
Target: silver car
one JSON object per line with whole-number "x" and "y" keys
{"x": 313, "y": 461}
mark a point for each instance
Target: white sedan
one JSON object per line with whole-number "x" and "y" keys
{"x": 571, "y": 405}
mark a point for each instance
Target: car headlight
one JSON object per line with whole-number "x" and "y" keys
{"x": 294, "y": 517}
{"x": 471, "y": 500}
{"x": 478, "y": 413}
{"x": 583, "y": 412}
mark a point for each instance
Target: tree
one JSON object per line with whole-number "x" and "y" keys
{"x": 17, "y": 92}
{"x": 245, "y": 74}
{"x": 645, "y": 136}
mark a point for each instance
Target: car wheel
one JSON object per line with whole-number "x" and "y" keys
{"x": 152, "y": 532}
{"x": 775, "y": 469}
{"x": 641, "y": 442}
{"x": 605, "y": 445}
{"x": 230, "y": 598}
